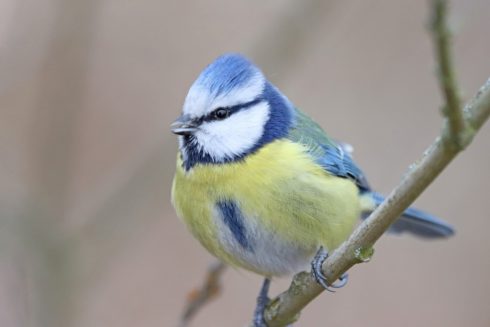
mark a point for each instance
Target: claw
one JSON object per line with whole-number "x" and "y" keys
{"x": 316, "y": 270}
{"x": 342, "y": 281}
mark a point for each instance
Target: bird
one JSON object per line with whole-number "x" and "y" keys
{"x": 261, "y": 185}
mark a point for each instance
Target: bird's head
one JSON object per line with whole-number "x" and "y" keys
{"x": 231, "y": 111}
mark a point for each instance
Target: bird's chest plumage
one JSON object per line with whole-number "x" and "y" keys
{"x": 269, "y": 212}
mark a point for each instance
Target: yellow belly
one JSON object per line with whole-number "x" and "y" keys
{"x": 290, "y": 207}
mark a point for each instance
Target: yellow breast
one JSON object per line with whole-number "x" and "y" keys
{"x": 284, "y": 196}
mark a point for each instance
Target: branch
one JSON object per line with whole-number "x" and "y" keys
{"x": 358, "y": 248}
{"x": 200, "y": 297}
{"x": 457, "y": 133}
{"x": 447, "y": 81}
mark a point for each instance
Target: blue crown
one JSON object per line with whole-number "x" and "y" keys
{"x": 226, "y": 73}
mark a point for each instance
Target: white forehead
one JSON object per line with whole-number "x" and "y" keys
{"x": 201, "y": 100}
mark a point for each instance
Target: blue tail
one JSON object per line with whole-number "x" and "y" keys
{"x": 417, "y": 222}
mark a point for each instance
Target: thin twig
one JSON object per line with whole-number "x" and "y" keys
{"x": 441, "y": 35}
{"x": 200, "y": 297}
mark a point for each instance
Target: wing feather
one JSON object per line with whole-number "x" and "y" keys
{"x": 333, "y": 156}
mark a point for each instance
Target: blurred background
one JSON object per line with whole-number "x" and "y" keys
{"x": 88, "y": 236}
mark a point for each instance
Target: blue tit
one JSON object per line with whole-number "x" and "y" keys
{"x": 260, "y": 184}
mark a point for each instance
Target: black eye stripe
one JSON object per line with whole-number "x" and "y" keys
{"x": 231, "y": 110}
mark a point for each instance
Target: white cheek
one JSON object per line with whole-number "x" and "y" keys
{"x": 235, "y": 135}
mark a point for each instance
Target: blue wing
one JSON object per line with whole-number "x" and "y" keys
{"x": 332, "y": 156}
{"x": 335, "y": 158}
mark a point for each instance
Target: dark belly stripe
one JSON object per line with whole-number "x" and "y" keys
{"x": 233, "y": 219}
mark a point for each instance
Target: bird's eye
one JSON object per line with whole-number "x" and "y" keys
{"x": 221, "y": 113}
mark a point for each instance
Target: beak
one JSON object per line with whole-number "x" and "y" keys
{"x": 184, "y": 125}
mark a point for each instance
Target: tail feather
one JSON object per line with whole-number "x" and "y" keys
{"x": 415, "y": 221}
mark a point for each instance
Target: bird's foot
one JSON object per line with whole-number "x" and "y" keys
{"x": 262, "y": 301}
{"x": 316, "y": 271}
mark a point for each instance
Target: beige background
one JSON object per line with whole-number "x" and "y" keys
{"x": 88, "y": 89}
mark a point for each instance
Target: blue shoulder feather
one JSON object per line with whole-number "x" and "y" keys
{"x": 329, "y": 154}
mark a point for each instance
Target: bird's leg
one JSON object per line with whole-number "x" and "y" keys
{"x": 316, "y": 270}
{"x": 262, "y": 301}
